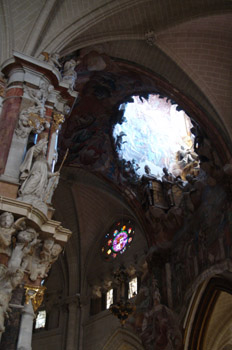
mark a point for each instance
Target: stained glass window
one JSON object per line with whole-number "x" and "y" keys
{"x": 40, "y": 319}
{"x": 117, "y": 239}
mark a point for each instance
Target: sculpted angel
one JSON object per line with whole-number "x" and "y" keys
{"x": 41, "y": 261}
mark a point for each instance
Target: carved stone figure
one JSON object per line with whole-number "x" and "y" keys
{"x": 41, "y": 260}
{"x": 148, "y": 188}
{"x": 8, "y": 283}
{"x": 33, "y": 118}
{"x": 69, "y": 74}
{"x": 35, "y": 172}
{"x": 168, "y": 181}
{"x": 29, "y": 120}
{"x": 55, "y": 251}
{"x": 156, "y": 324}
{"x": 150, "y": 38}
{"x": 52, "y": 58}
{"x": 192, "y": 192}
{"x": 119, "y": 141}
{"x": 25, "y": 242}
{"x": 6, "y": 232}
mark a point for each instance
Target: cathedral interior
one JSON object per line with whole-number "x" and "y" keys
{"x": 98, "y": 252}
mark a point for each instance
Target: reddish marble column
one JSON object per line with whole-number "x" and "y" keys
{"x": 8, "y": 122}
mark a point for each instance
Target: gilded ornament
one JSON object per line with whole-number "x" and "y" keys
{"x": 35, "y": 294}
{"x": 58, "y": 119}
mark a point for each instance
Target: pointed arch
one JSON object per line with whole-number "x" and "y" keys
{"x": 123, "y": 339}
{"x": 208, "y": 321}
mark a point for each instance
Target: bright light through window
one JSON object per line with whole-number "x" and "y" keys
{"x": 109, "y": 298}
{"x": 40, "y": 319}
{"x": 155, "y": 131}
{"x": 133, "y": 288}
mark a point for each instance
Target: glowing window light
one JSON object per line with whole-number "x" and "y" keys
{"x": 109, "y": 298}
{"x": 117, "y": 240}
{"x": 133, "y": 288}
{"x": 155, "y": 131}
{"x": 40, "y": 319}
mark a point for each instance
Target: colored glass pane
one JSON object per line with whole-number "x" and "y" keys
{"x": 120, "y": 241}
{"x": 117, "y": 241}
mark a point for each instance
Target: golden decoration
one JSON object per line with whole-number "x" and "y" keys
{"x": 46, "y": 56}
{"x": 122, "y": 310}
{"x": 58, "y": 119}
{"x": 34, "y": 119}
{"x": 35, "y": 294}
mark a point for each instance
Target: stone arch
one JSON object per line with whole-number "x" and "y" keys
{"x": 123, "y": 339}
{"x": 207, "y": 324}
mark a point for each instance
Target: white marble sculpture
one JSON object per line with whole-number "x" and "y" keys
{"x": 6, "y": 232}
{"x": 35, "y": 173}
{"x": 42, "y": 260}
{"x": 33, "y": 117}
{"x": 24, "y": 247}
{"x": 52, "y": 58}
{"x": 8, "y": 283}
{"x": 69, "y": 74}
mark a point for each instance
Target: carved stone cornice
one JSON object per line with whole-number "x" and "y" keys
{"x": 48, "y": 228}
{"x": 43, "y": 68}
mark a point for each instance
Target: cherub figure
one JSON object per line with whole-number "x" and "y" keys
{"x": 24, "y": 247}
{"x": 40, "y": 260}
{"x": 7, "y": 230}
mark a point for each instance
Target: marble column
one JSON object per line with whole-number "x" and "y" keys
{"x": 26, "y": 326}
{"x": 9, "y": 114}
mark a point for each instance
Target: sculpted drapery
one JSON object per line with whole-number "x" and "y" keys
{"x": 35, "y": 174}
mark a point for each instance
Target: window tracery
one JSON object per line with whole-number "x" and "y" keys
{"x": 118, "y": 239}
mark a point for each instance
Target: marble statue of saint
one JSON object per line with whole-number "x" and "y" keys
{"x": 35, "y": 173}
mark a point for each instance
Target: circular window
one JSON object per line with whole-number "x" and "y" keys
{"x": 118, "y": 239}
